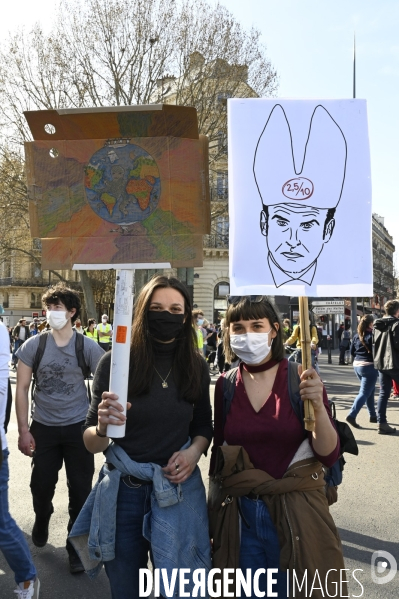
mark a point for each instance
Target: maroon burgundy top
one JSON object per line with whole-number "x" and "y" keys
{"x": 271, "y": 436}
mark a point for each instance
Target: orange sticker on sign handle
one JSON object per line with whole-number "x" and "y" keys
{"x": 121, "y": 334}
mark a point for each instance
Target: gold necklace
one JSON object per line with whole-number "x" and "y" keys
{"x": 164, "y": 383}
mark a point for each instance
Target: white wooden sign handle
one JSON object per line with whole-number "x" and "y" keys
{"x": 120, "y": 356}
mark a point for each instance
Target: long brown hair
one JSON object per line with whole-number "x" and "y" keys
{"x": 245, "y": 309}
{"x": 187, "y": 363}
{"x": 362, "y": 327}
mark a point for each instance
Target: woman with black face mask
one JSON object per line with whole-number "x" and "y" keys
{"x": 168, "y": 427}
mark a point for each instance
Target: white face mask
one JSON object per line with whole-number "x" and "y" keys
{"x": 56, "y": 319}
{"x": 104, "y": 320}
{"x": 251, "y": 348}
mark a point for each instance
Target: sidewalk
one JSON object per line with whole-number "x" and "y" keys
{"x": 366, "y": 512}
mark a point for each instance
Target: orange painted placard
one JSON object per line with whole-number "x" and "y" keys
{"x": 140, "y": 195}
{"x": 121, "y": 334}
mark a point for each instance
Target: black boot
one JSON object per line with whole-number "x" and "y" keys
{"x": 40, "y": 530}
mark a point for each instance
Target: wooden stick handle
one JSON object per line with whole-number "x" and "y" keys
{"x": 306, "y": 341}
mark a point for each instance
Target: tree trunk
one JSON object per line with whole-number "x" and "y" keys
{"x": 88, "y": 294}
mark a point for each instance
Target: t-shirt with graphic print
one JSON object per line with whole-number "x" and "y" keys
{"x": 60, "y": 395}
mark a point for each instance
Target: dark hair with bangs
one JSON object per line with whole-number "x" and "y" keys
{"x": 187, "y": 364}
{"x": 60, "y": 293}
{"x": 245, "y": 309}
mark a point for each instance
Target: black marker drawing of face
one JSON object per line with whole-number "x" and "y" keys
{"x": 296, "y": 235}
{"x": 298, "y": 204}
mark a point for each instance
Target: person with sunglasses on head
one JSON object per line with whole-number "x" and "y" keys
{"x": 150, "y": 478}
{"x": 260, "y": 438}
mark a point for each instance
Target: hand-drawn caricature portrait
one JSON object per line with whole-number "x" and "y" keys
{"x": 299, "y": 196}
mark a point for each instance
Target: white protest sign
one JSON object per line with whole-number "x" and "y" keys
{"x": 299, "y": 178}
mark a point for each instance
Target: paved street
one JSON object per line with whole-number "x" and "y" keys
{"x": 366, "y": 512}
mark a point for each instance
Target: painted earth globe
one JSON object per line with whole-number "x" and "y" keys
{"x": 122, "y": 183}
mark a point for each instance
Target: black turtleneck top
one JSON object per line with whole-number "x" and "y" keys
{"x": 158, "y": 423}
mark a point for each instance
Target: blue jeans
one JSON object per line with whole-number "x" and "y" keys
{"x": 259, "y": 546}
{"x": 385, "y": 391}
{"x": 367, "y": 376}
{"x": 12, "y": 542}
{"x": 131, "y": 548}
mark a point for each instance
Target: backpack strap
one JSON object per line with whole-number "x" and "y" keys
{"x": 86, "y": 370}
{"x": 38, "y": 356}
{"x": 79, "y": 350}
{"x": 229, "y": 386}
{"x": 35, "y": 366}
{"x": 293, "y": 391}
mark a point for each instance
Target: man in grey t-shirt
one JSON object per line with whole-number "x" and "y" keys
{"x": 60, "y": 406}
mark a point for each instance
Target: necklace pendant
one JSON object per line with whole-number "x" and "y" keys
{"x": 165, "y": 385}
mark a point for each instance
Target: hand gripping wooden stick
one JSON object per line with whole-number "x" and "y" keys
{"x": 309, "y": 418}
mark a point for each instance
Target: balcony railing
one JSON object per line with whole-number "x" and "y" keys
{"x": 16, "y": 282}
{"x": 32, "y": 282}
{"x": 216, "y": 241}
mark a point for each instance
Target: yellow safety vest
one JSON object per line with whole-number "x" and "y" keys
{"x": 93, "y": 335}
{"x": 107, "y": 329}
{"x": 200, "y": 339}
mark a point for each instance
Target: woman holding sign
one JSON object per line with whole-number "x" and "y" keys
{"x": 156, "y": 484}
{"x": 263, "y": 456}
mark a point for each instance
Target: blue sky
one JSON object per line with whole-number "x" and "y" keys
{"x": 310, "y": 42}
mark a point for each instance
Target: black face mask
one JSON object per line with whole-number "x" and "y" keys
{"x": 164, "y": 325}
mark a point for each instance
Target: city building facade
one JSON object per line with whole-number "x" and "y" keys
{"x": 384, "y": 276}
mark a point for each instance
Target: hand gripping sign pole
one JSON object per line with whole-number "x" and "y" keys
{"x": 119, "y": 380}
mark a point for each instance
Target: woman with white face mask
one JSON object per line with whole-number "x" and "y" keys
{"x": 261, "y": 420}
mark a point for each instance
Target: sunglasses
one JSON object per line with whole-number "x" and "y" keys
{"x": 232, "y": 300}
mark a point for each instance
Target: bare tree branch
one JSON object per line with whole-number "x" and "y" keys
{"x": 110, "y": 52}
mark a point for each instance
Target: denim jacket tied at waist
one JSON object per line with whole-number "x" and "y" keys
{"x": 176, "y": 526}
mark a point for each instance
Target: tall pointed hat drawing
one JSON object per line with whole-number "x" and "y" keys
{"x": 320, "y": 178}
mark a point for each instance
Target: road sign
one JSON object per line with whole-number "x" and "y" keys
{"x": 328, "y": 310}
{"x": 329, "y": 303}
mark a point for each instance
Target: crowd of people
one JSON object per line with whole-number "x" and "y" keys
{"x": 149, "y": 499}
{"x": 375, "y": 351}
{"x": 101, "y": 333}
